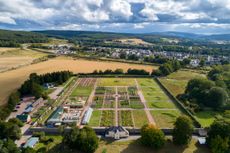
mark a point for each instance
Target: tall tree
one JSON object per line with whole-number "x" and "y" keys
{"x": 182, "y": 132}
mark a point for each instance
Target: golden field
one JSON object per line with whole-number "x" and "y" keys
{"x": 11, "y": 80}
{"x": 15, "y": 57}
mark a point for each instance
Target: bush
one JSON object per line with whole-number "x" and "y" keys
{"x": 84, "y": 139}
{"x": 219, "y": 145}
{"x": 182, "y": 132}
{"x": 152, "y": 136}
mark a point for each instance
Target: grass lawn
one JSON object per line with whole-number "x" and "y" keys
{"x": 140, "y": 118}
{"x": 165, "y": 118}
{"x": 81, "y": 91}
{"x": 177, "y": 81}
{"x": 95, "y": 118}
{"x": 56, "y": 140}
{"x": 116, "y": 82}
{"x": 205, "y": 118}
{"x": 159, "y": 105}
{"x": 133, "y": 146}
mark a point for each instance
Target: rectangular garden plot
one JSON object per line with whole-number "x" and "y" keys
{"x": 116, "y": 82}
{"x": 140, "y": 118}
{"x": 97, "y": 101}
{"x": 135, "y": 102}
{"x": 107, "y": 118}
{"x": 165, "y": 118}
{"x": 95, "y": 118}
{"x": 109, "y": 101}
{"x": 123, "y": 101}
{"x": 125, "y": 118}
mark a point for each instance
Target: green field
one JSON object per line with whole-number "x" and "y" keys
{"x": 116, "y": 82}
{"x": 154, "y": 95}
{"x": 81, "y": 91}
{"x": 165, "y": 118}
{"x": 177, "y": 81}
{"x": 95, "y": 118}
{"x": 206, "y": 118}
{"x": 176, "y": 84}
{"x": 140, "y": 118}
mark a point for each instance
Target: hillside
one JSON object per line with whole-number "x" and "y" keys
{"x": 14, "y": 38}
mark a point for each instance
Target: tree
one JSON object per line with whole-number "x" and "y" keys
{"x": 12, "y": 131}
{"x": 8, "y": 146}
{"x": 219, "y": 127}
{"x": 152, "y": 136}
{"x": 84, "y": 139}
{"x": 182, "y": 132}
{"x": 219, "y": 145}
{"x": 217, "y": 97}
{"x": 16, "y": 121}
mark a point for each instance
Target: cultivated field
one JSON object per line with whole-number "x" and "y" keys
{"x": 133, "y": 41}
{"x": 11, "y": 80}
{"x": 15, "y": 57}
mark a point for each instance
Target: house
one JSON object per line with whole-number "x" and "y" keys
{"x": 31, "y": 142}
{"x": 195, "y": 62}
{"x": 116, "y": 132}
{"x": 24, "y": 118}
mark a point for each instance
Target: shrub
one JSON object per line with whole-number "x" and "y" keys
{"x": 182, "y": 132}
{"x": 152, "y": 136}
{"x": 219, "y": 145}
{"x": 84, "y": 139}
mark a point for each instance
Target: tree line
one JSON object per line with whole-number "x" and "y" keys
{"x": 121, "y": 71}
{"x": 168, "y": 68}
{"x": 15, "y": 38}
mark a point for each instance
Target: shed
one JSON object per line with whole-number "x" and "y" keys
{"x": 31, "y": 142}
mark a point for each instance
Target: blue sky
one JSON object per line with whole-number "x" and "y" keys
{"x": 133, "y": 16}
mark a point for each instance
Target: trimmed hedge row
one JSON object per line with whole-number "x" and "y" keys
{"x": 178, "y": 103}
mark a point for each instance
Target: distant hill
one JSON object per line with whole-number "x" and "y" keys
{"x": 111, "y": 35}
{"x": 22, "y": 37}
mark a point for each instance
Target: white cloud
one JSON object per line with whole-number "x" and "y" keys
{"x": 114, "y": 14}
{"x": 8, "y": 20}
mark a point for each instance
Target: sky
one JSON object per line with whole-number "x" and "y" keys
{"x": 131, "y": 16}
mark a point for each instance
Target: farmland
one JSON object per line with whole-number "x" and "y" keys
{"x": 11, "y": 58}
{"x": 11, "y": 80}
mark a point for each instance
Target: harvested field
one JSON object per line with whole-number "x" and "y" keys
{"x": 14, "y": 57}
{"x": 11, "y": 80}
